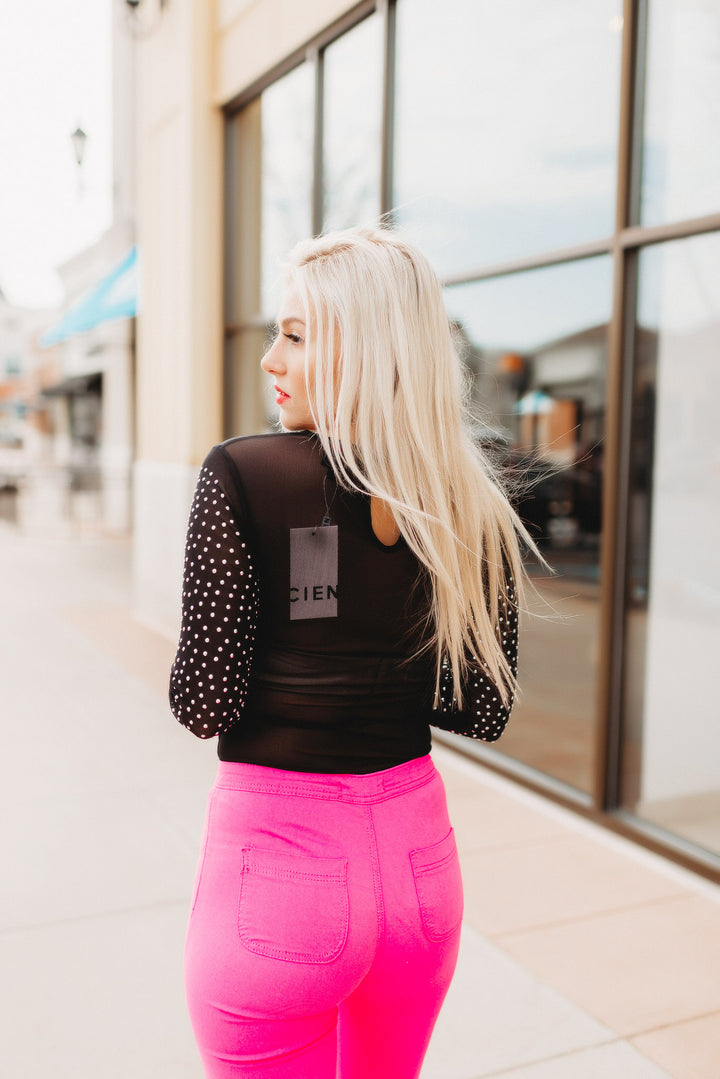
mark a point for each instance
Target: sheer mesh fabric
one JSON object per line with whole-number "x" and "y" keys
{"x": 332, "y": 694}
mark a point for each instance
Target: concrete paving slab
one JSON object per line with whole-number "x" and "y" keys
{"x": 97, "y": 998}
{"x": 635, "y": 970}
{"x": 616, "y": 1061}
{"x": 89, "y": 854}
{"x": 521, "y": 887}
{"x": 688, "y": 1050}
{"x": 497, "y": 1016}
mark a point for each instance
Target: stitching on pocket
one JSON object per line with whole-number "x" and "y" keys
{"x": 438, "y": 886}
{"x": 327, "y": 916}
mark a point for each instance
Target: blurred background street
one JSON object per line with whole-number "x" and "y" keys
{"x": 559, "y": 165}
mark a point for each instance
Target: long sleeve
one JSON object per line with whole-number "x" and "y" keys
{"x": 483, "y": 716}
{"x": 220, "y": 599}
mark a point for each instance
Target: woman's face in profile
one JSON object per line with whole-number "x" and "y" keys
{"x": 286, "y": 361}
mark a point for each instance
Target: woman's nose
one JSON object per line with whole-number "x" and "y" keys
{"x": 271, "y": 361}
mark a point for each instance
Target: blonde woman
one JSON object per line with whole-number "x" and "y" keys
{"x": 349, "y": 583}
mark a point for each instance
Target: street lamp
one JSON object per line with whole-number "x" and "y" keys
{"x": 78, "y": 140}
{"x": 143, "y": 16}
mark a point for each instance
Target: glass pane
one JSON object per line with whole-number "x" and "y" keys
{"x": 287, "y": 175}
{"x": 681, "y": 137}
{"x": 248, "y": 390}
{"x": 671, "y": 750}
{"x": 243, "y": 194}
{"x": 270, "y": 163}
{"x": 506, "y": 126}
{"x": 352, "y": 126}
{"x": 536, "y": 344}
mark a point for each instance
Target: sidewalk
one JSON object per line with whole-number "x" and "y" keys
{"x": 583, "y": 956}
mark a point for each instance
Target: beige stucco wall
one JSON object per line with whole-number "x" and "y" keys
{"x": 255, "y": 36}
{"x": 179, "y": 332}
{"x": 195, "y": 58}
{"x": 179, "y": 132}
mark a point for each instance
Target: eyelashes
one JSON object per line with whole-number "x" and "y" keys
{"x": 274, "y": 333}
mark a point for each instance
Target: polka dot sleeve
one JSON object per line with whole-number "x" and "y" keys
{"x": 209, "y": 676}
{"x": 483, "y": 716}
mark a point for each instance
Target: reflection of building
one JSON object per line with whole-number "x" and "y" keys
{"x": 551, "y": 402}
{"x": 570, "y": 202}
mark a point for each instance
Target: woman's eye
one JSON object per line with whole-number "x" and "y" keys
{"x": 294, "y": 337}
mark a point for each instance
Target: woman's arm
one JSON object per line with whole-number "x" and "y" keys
{"x": 209, "y": 676}
{"x": 483, "y": 715}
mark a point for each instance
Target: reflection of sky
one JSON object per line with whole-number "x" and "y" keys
{"x": 680, "y": 299}
{"x": 681, "y": 173}
{"x": 352, "y": 126}
{"x": 679, "y": 287}
{"x": 287, "y": 163}
{"x": 466, "y": 236}
{"x": 527, "y": 310}
{"x": 512, "y": 132}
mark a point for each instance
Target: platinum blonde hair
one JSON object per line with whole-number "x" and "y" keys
{"x": 386, "y": 393}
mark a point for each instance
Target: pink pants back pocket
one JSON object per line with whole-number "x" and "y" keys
{"x": 438, "y": 884}
{"x": 293, "y": 906}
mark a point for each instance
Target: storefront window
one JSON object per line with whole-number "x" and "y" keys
{"x": 270, "y": 168}
{"x": 287, "y": 174}
{"x": 536, "y": 345}
{"x": 681, "y": 131}
{"x": 506, "y": 126}
{"x": 249, "y": 409}
{"x": 269, "y": 208}
{"x": 671, "y": 745}
{"x": 352, "y": 126}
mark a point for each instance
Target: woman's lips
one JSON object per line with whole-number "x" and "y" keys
{"x": 282, "y": 397}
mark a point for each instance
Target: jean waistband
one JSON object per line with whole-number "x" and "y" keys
{"x": 374, "y": 787}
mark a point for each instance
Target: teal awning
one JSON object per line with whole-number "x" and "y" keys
{"x": 113, "y": 297}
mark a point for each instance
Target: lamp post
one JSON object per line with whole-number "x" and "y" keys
{"x": 78, "y": 140}
{"x": 143, "y": 16}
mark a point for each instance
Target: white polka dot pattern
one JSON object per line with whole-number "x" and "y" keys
{"x": 483, "y": 715}
{"x": 209, "y": 677}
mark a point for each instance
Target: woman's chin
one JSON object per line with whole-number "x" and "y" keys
{"x": 289, "y": 424}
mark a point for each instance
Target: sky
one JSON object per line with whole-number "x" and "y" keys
{"x": 55, "y": 74}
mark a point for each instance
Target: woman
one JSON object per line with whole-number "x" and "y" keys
{"x": 348, "y": 583}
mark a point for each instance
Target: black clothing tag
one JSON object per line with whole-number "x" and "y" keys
{"x": 313, "y": 572}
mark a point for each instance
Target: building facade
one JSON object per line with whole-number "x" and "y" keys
{"x": 559, "y": 164}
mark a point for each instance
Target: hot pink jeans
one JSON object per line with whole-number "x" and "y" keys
{"x": 325, "y": 923}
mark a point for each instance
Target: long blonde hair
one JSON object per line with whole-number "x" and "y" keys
{"x": 386, "y": 394}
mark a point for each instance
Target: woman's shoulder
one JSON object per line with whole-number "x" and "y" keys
{"x": 273, "y": 455}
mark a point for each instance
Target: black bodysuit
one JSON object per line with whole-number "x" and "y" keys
{"x": 300, "y": 659}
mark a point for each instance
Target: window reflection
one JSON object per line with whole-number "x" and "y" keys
{"x": 248, "y": 396}
{"x": 270, "y": 159}
{"x": 352, "y": 124}
{"x": 506, "y": 140}
{"x": 681, "y": 138}
{"x": 671, "y": 750}
{"x": 287, "y": 174}
{"x": 536, "y": 344}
